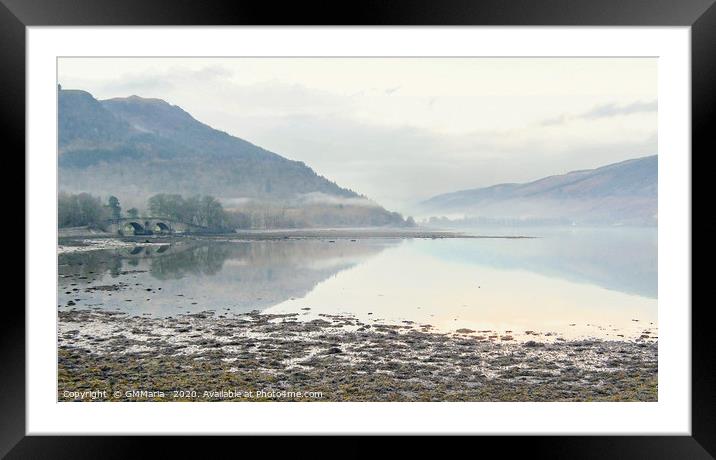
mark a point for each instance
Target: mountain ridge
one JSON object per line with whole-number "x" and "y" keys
{"x": 93, "y": 132}
{"x": 134, "y": 147}
{"x": 617, "y": 193}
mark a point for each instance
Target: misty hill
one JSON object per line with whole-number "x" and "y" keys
{"x": 620, "y": 193}
{"x": 135, "y": 147}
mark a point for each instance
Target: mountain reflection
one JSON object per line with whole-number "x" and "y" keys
{"x": 619, "y": 259}
{"x": 237, "y": 275}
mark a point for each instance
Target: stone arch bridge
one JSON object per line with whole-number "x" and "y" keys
{"x": 129, "y": 226}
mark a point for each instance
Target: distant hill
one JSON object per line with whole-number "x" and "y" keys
{"x": 135, "y": 147}
{"x": 620, "y": 193}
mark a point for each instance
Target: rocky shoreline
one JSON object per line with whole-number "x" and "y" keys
{"x": 224, "y": 356}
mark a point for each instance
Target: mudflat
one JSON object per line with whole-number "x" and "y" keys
{"x": 215, "y": 356}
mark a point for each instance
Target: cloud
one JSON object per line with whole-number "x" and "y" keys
{"x": 174, "y": 79}
{"x": 605, "y": 111}
{"x": 396, "y": 166}
{"x": 611, "y": 110}
{"x": 211, "y": 89}
{"x": 322, "y": 198}
{"x": 142, "y": 85}
{"x": 558, "y": 120}
{"x": 313, "y": 198}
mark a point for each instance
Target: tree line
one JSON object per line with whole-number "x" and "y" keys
{"x": 204, "y": 211}
{"x": 84, "y": 209}
{"x": 273, "y": 214}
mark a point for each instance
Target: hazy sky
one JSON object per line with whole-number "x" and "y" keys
{"x": 400, "y": 130}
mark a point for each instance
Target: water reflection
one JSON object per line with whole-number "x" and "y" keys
{"x": 620, "y": 259}
{"x": 449, "y": 285}
{"x": 571, "y": 282}
{"x": 194, "y": 260}
{"x": 239, "y": 276}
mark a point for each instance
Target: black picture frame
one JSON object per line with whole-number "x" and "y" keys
{"x": 700, "y": 15}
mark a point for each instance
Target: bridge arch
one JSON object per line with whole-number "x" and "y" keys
{"x": 161, "y": 228}
{"x": 132, "y": 228}
{"x": 127, "y": 226}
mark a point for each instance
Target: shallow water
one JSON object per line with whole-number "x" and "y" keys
{"x": 567, "y": 283}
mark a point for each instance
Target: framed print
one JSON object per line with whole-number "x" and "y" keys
{"x": 407, "y": 220}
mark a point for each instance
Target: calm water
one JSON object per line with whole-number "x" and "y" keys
{"x": 572, "y": 283}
